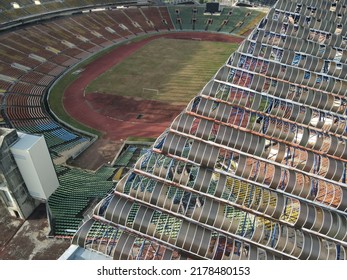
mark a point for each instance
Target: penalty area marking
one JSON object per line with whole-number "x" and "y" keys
{"x": 150, "y": 90}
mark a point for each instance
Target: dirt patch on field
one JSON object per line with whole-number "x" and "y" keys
{"x": 130, "y": 109}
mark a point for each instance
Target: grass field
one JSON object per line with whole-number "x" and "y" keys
{"x": 177, "y": 69}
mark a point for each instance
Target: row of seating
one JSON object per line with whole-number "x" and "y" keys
{"x": 177, "y": 232}
{"x": 77, "y": 190}
{"x": 23, "y": 100}
{"x": 115, "y": 243}
{"x": 125, "y": 157}
{"x": 269, "y": 3}
{"x": 183, "y": 202}
{"x": 231, "y": 20}
{"x": 14, "y": 10}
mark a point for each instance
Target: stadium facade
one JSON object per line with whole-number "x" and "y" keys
{"x": 255, "y": 166}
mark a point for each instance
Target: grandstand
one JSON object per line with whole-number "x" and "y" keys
{"x": 71, "y": 201}
{"x": 255, "y": 166}
{"x": 39, "y": 43}
{"x": 231, "y": 20}
{"x": 35, "y": 56}
{"x": 252, "y": 3}
{"x": 28, "y": 10}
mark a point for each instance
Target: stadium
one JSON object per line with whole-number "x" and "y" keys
{"x": 179, "y": 131}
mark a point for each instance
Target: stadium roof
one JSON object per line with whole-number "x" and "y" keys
{"x": 255, "y": 166}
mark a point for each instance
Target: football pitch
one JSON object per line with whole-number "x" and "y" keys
{"x": 169, "y": 70}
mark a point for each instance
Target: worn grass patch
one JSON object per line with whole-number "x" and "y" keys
{"x": 170, "y": 70}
